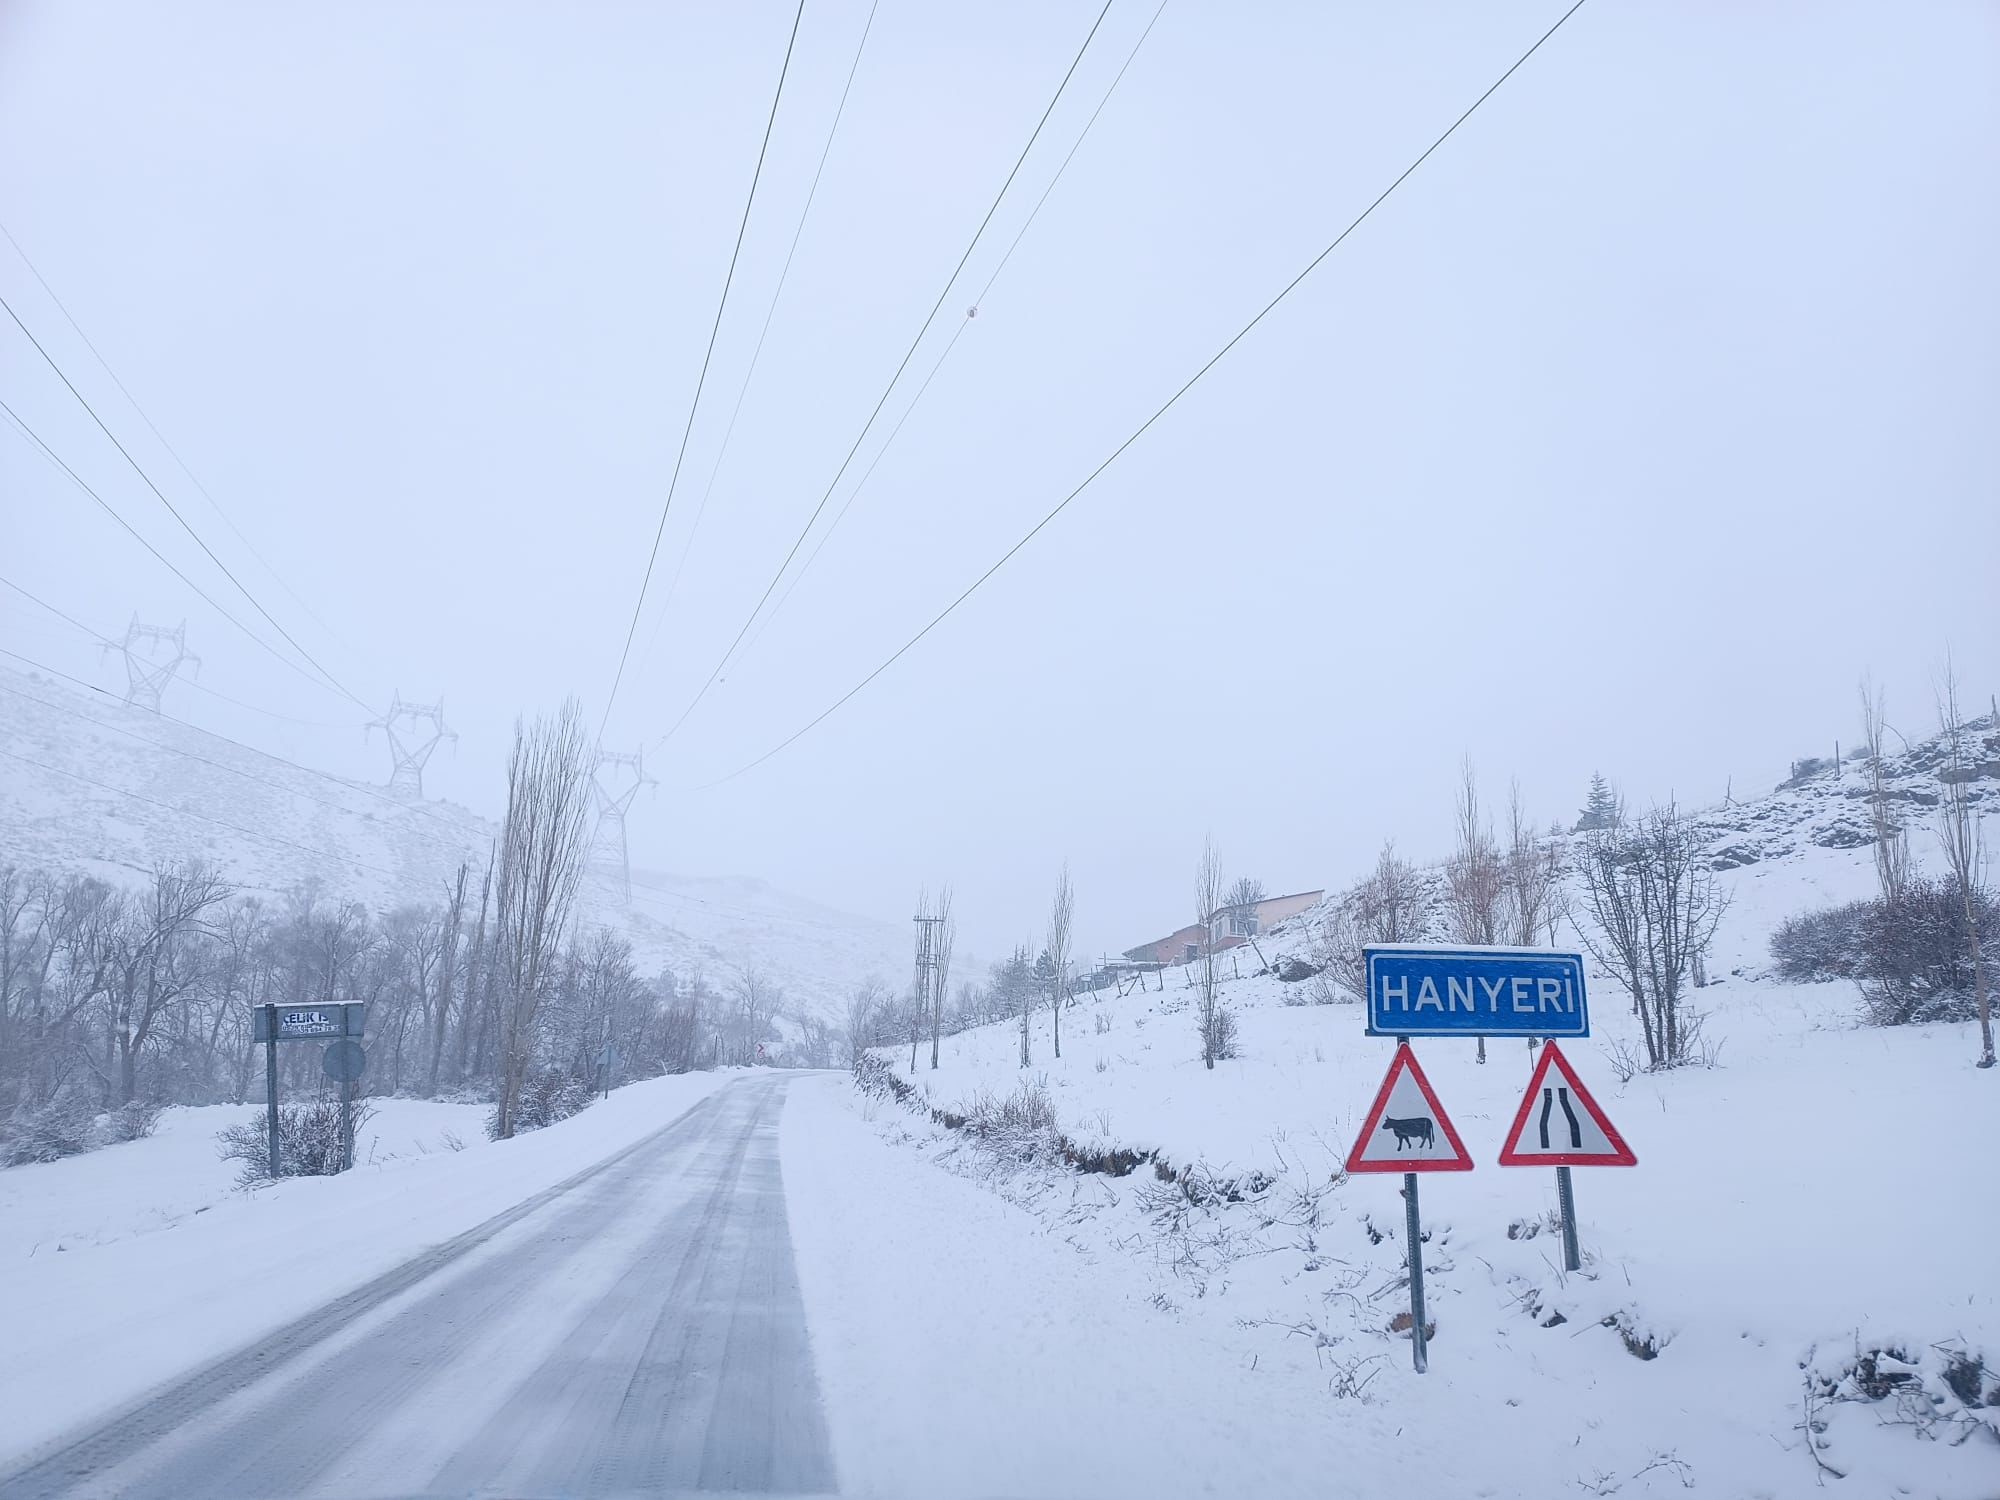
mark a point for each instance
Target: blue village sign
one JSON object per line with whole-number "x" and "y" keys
{"x": 1419, "y": 991}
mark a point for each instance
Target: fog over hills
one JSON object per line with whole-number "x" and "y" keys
{"x": 95, "y": 786}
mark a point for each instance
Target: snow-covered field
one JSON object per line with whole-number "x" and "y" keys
{"x": 1822, "y": 1193}
{"x": 128, "y": 1266}
{"x": 141, "y": 1186}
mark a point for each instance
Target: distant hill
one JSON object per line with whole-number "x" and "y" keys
{"x": 88, "y": 784}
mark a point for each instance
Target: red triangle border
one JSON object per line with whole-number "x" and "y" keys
{"x": 1371, "y": 1122}
{"x": 1510, "y": 1156}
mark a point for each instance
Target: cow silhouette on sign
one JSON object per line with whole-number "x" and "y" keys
{"x": 1410, "y": 1132}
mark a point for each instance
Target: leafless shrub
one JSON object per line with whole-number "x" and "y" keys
{"x": 1218, "y": 1034}
{"x": 133, "y": 1121}
{"x": 1625, "y": 1059}
{"x": 1920, "y": 958}
{"x": 1820, "y": 945}
{"x": 310, "y": 1141}
{"x": 62, "y": 1127}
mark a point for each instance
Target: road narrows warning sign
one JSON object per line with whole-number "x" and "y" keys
{"x": 1406, "y": 1129}
{"x": 1560, "y": 1125}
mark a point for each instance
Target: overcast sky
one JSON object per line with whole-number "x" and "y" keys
{"x": 1652, "y": 411}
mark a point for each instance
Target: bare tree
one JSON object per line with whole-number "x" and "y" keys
{"x": 757, "y": 1000}
{"x": 1217, "y": 1025}
{"x": 946, "y": 933}
{"x": 478, "y": 976}
{"x": 1958, "y": 834}
{"x": 1532, "y": 883}
{"x": 864, "y": 1008}
{"x": 1475, "y": 876}
{"x": 1245, "y": 890}
{"x": 1392, "y": 904}
{"x": 1021, "y": 986}
{"x": 1653, "y": 907}
{"x": 541, "y": 865}
{"x": 157, "y": 963}
{"x": 920, "y": 980}
{"x": 447, "y": 966}
{"x": 1892, "y": 844}
{"x": 1062, "y": 914}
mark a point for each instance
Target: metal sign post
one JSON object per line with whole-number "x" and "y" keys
{"x": 1560, "y": 1125}
{"x": 271, "y": 1084}
{"x": 1406, "y": 1130}
{"x": 1413, "y": 1227}
{"x": 1566, "y": 1200}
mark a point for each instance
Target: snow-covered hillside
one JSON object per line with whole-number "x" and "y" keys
{"x": 1792, "y": 1282}
{"x": 88, "y": 784}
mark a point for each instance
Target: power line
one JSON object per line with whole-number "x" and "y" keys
{"x": 882, "y": 401}
{"x": 198, "y": 687}
{"x": 175, "y": 513}
{"x": 694, "y": 406}
{"x": 268, "y": 838}
{"x": 160, "y": 437}
{"x": 1143, "y": 427}
{"x": 957, "y": 333}
{"x": 750, "y": 374}
{"x": 203, "y": 594}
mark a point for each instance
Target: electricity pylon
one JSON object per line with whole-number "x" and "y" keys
{"x": 147, "y": 669}
{"x": 422, "y": 727}
{"x": 607, "y": 845}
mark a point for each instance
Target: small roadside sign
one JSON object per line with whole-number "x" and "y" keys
{"x": 1560, "y": 1125}
{"x": 302, "y": 1023}
{"x": 1406, "y": 1129}
{"x": 344, "y": 1061}
{"x": 1415, "y": 990}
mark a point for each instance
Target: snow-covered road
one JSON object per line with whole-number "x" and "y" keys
{"x": 636, "y": 1329}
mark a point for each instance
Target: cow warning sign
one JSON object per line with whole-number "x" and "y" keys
{"x": 1560, "y": 1125}
{"x": 1406, "y": 1129}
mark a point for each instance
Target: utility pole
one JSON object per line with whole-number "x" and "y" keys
{"x": 607, "y": 845}
{"x": 148, "y": 669}
{"x": 413, "y": 730}
{"x": 922, "y": 994}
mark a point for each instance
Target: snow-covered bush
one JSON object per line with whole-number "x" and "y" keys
{"x": 1219, "y": 1033}
{"x": 68, "y": 1125}
{"x": 65, "y": 1126}
{"x": 877, "y": 1079}
{"x": 1911, "y": 956}
{"x": 1021, "y": 1124}
{"x": 129, "y": 1122}
{"x": 1916, "y": 954}
{"x": 1819, "y": 945}
{"x": 310, "y": 1143}
{"x": 547, "y": 1095}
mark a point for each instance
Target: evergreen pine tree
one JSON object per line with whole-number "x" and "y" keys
{"x": 1600, "y": 810}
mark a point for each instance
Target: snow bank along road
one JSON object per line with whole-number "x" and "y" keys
{"x": 637, "y": 1329}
